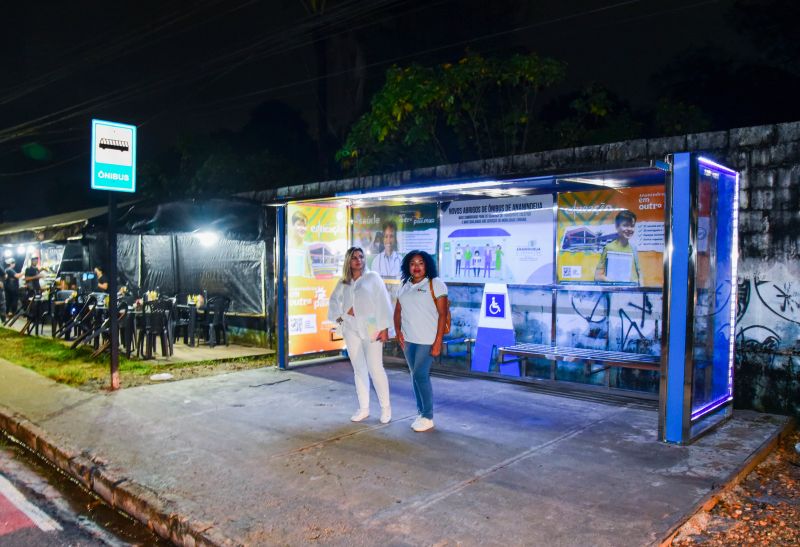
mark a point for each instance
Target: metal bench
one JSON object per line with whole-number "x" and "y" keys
{"x": 609, "y": 359}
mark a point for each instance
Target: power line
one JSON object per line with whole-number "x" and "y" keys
{"x": 45, "y": 167}
{"x": 187, "y": 76}
{"x": 260, "y": 49}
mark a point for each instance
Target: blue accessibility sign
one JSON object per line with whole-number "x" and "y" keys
{"x": 495, "y": 305}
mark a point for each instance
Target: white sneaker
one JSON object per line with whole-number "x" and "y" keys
{"x": 386, "y": 414}
{"x": 422, "y": 424}
{"x": 361, "y": 414}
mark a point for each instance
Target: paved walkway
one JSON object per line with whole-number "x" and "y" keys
{"x": 269, "y": 457}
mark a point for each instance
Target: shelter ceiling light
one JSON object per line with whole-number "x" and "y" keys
{"x": 431, "y": 189}
{"x": 717, "y": 166}
{"x": 21, "y": 250}
{"x": 611, "y": 183}
{"x": 207, "y": 239}
{"x": 7, "y": 253}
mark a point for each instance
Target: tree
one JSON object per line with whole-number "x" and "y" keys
{"x": 475, "y": 108}
{"x": 593, "y": 115}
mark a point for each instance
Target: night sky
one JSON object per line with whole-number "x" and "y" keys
{"x": 178, "y": 68}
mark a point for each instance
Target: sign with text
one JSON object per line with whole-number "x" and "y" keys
{"x": 113, "y": 156}
{"x": 508, "y": 240}
{"x": 316, "y": 245}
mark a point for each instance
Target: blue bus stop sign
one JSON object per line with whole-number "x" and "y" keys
{"x": 113, "y": 156}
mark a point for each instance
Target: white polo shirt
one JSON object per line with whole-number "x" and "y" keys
{"x": 419, "y": 317}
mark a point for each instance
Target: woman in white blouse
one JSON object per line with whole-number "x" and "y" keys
{"x": 360, "y": 305}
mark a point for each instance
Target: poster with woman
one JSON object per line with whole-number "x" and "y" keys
{"x": 613, "y": 236}
{"x": 387, "y": 233}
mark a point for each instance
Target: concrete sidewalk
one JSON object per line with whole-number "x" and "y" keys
{"x": 266, "y": 457}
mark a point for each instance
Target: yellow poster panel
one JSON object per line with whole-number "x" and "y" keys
{"x": 316, "y": 245}
{"x": 613, "y": 236}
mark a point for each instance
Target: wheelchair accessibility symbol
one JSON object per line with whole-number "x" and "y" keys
{"x": 495, "y": 305}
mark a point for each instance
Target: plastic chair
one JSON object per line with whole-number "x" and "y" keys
{"x": 212, "y": 324}
{"x": 155, "y": 326}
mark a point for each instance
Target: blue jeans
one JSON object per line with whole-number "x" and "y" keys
{"x": 419, "y": 359}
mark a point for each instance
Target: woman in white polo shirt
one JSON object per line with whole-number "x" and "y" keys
{"x": 419, "y": 319}
{"x": 360, "y": 305}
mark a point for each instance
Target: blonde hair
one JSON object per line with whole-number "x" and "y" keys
{"x": 347, "y": 272}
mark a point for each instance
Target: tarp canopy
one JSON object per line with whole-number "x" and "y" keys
{"x": 237, "y": 219}
{"x": 183, "y": 247}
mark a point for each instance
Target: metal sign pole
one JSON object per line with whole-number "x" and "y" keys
{"x": 112, "y": 289}
{"x": 113, "y": 169}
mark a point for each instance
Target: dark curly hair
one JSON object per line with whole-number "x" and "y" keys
{"x": 430, "y": 265}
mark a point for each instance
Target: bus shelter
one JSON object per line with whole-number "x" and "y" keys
{"x": 620, "y": 281}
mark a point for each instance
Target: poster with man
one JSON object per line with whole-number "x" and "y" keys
{"x": 613, "y": 236}
{"x": 506, "y": 240}
{"x": 387, "y": 233}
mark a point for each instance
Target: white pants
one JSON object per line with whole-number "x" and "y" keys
{"x": 367, "y": 360}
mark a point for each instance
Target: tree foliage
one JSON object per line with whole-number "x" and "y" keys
{"x": 594, "y": 115}
{"x": 476, "y": 108}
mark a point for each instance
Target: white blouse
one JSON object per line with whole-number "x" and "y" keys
{"x": 371, "y": 305}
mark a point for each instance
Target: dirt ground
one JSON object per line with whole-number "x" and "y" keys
{"x": 764, "y": 509}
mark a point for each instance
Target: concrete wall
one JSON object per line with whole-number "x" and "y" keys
{"x": 768, "y": 331}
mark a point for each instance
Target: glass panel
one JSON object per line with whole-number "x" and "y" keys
{"x": 715, "y": 246}
{"x": 626, "y": 320}
{"x": 531, "y": 311}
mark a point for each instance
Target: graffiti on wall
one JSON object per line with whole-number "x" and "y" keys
{"x": 767, "y": 375}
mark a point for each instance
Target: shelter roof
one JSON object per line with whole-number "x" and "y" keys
{"x": 50, "y": 228}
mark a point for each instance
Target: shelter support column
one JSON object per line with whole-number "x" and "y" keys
{"x": 676, "y": 373}
{"x": 281, "y": 293}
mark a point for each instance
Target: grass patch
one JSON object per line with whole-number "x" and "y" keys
{"x": 75, "y": 367}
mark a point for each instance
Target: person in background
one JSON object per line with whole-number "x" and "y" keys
{"x": 459, "y": 257}
{"x": 387, "y": 263}
{"x": 32, "y": 276}
{"x": 12, "y": 286}
{"x": 419, "y": 320}
{"x": 361, "y": 307}
{"x": 467, "y": 260}
{"x": 102, "y": 280}
{"x": 2, "y": 295}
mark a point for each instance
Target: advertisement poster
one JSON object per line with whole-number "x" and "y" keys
{"x": 613, "y": 236}
{"x": 387, "y": 233}
{"x": 508, "y": 240}
{"x": 316, "y": 245}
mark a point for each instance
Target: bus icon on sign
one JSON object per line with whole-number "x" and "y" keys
{"x": 111, "y": 144}
{"x": 495, "y": 305}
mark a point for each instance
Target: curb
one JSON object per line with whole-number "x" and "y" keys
{"x": 712, "y": 498}
{"x": 131, "y": 498}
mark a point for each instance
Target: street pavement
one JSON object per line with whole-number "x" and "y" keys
{"x": 266, "y": 457}
{"x": 34, "y": 513}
